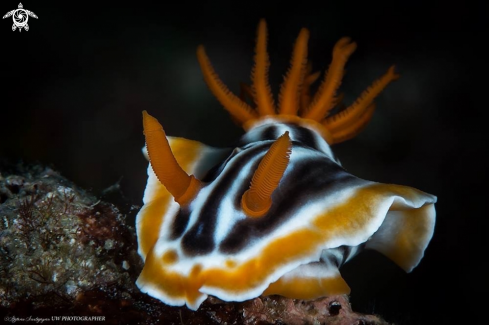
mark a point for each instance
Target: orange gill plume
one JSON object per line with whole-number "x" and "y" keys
{"x": 239, "y": 110}
{"x": 324, "y": 99}
{"x": 295, "y": 101}
{"x": 290, "y": 90}
{"x": 258, "y": 199}
{"x": 349, "y": 122}
{"x": 180, "y": 185}
{"x": 261, "y": 91}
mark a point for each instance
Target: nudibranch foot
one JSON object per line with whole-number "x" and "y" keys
{"x": 276, "y": 213}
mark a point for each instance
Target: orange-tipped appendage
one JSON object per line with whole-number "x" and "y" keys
{"x": 324, "y": 101}
{"x": 350, "y": 115}
{"x": 259, "y": 75}
{"x": 294, "y": 100}
{"x": 240, "y": 111}
{"x": 256, "y": 201}
{"x": 180, "y": 185}
{"x": 291, "y": 87}
{"x": 355, "y": 128}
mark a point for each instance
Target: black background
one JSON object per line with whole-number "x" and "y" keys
{"x": 74, "y": 85}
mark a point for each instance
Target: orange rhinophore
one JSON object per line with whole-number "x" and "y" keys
{"x": 182, "y": 186}
{"x": 258, "y": 199}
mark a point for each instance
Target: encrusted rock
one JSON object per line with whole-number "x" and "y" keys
{"x": 47, "y": 225}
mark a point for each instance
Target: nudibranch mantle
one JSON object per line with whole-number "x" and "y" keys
{"x": 277, "y": 213}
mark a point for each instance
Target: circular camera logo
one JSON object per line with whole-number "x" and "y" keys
{"x": 20, "y": 17}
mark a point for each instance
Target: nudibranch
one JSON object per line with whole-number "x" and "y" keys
{"x": 276, "y": 213}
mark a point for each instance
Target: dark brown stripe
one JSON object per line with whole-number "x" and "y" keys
{"x": 199, "y": 239}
